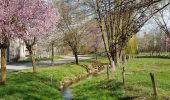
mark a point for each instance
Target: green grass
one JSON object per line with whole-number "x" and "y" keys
{"x": 25, "y": 85}
{"x": 38, "y": 59}
{"x": 139, "y": 75}
{"x": 137, "y": 81}
{"x": 155, "y": 55}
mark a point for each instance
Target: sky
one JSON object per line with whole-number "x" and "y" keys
{"x": 151, "y": 24}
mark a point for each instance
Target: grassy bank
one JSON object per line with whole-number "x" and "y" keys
{"x": 137, "y": 81}
{"x": 43, "y": 85}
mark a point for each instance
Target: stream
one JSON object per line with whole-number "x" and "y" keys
{"x": 67, "y": 93}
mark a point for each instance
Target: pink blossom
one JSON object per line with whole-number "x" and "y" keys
{"x": 26, "y": 19}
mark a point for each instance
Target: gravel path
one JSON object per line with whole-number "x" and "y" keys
{"x": 66, "y": 59}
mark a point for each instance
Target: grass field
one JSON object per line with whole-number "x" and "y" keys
{"x": 138, "y": 83}
{"x": 39, "y": 86}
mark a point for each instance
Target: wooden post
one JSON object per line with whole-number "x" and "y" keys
{"x": 107, "y": 71}
{"x": 123, "y": 76}
{"x": 32, "y": 60}
{"x": 123, "y": 73}
{"x": 153, "y": 84}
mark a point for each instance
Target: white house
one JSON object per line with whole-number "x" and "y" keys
{"x": 17, "y": 50}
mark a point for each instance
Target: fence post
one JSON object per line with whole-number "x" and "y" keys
{"x": 107, "y": 68}
{"x": 123, "y": 71}
{"x": 153, "y": 83}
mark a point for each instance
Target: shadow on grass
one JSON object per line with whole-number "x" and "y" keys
{"x": 105, "y": 90}
{"x": 27, "y": 86}
{"x": 163, "y": 57}
{"x": 102, "y": 90}
{"x": 116, "y": 90}
{"x": 115, "y": 87}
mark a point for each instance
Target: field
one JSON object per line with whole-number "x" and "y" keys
{"x": 138, "y": 83}
{"x": 44, "y": 85}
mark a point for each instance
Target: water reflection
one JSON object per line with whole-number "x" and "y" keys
{"x": 67, "y": 94}
{"x": 66, "y": 91}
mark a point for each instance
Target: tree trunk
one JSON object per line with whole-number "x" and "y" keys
{"x": 124, "y": 57}
{"x": 121, "y": 58}
{"x": 52, "y": 54}
{"x": 76, "y": 57}
{"x": 117, "y": 61}
{"x": 30, "y": 49}
{"x": 152, "y": 53}
{"x": 115, "y": 57}
{"x": 3, "y": 66}
{"x": 113, "y": 65}
{"x": 113, "y": 60}
{"x": 96, "y": 54}
{"x": 32, "y": 60}
{"x": 130, "y": 57}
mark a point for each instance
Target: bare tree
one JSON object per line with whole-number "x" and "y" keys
{"x": 72, "y": 25}
{"x": 120, "y": 20}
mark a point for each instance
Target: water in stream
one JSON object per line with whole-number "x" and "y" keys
{"x": 67, "y": 94}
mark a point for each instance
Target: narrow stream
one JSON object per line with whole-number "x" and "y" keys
{"x": 67, "y": 93}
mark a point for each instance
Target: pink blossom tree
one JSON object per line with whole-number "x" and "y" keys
{"x": 27, "y": 20}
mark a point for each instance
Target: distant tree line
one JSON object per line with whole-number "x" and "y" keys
{"x": 155, "y": 42}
